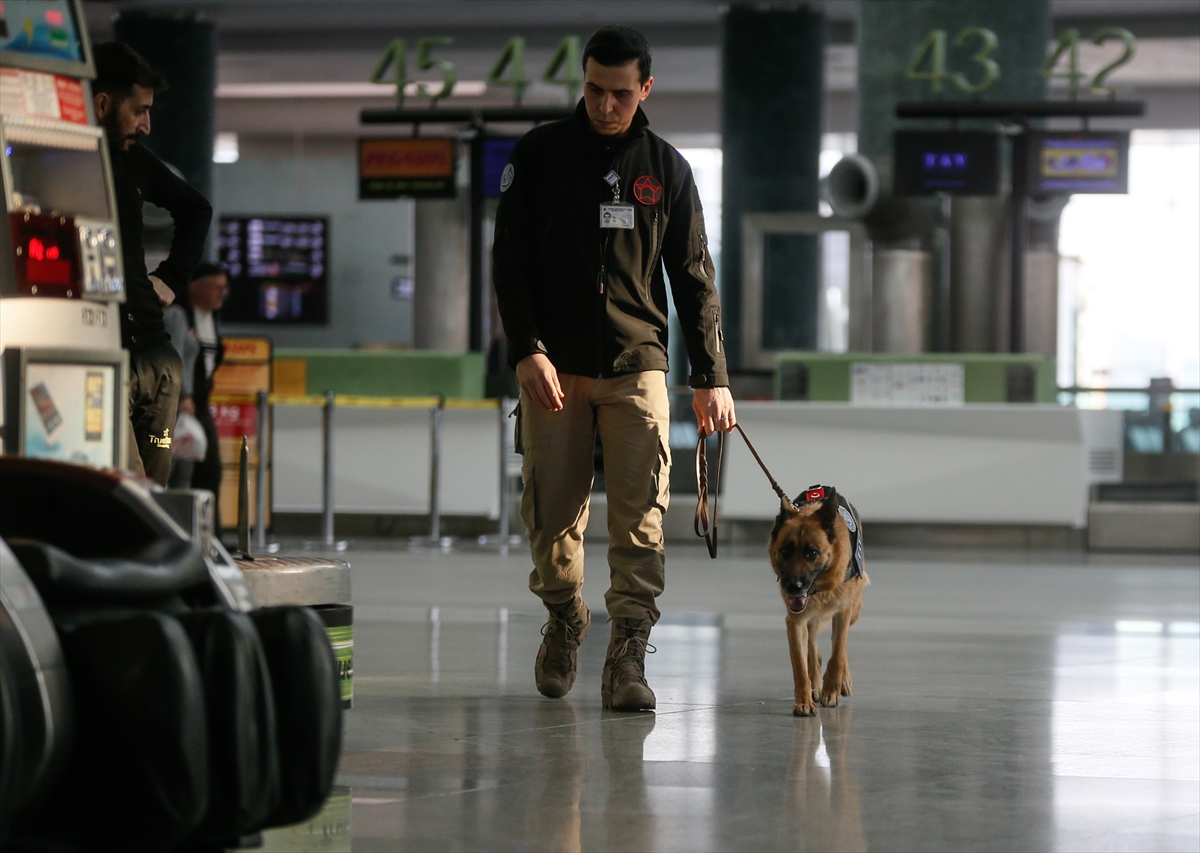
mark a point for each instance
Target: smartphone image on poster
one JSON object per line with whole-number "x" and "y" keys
{"x": 93, "y": 406}
{"x": 47, "y": 411}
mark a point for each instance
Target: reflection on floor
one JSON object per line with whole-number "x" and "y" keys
{"x": 1002, "y": 701}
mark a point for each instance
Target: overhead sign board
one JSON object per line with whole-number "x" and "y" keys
{"x": 495, "y": 155}
{"x": 406, "y": 167}
{"x": 956, "y": 162}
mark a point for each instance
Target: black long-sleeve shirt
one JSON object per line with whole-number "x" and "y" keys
{"x": 139, "y": 176}
{"x": 594, "y": 300}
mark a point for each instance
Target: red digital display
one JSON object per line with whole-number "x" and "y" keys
{"x": 47, "y": 255}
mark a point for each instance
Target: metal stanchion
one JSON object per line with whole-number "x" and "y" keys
{"x": 243, "y": 507}
{"x": 260, "y": 477}
{"x": 327, "y": 540}
{"x": 435, "y": 539}
{"x": 503, "y": 538}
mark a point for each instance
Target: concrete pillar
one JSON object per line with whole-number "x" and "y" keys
{"x": 890, "y": 32}
{"x": 183, "y": 121}
{"x": 771, "y": 135}
{"x": 442, "y": 275}
{"x": 979, "y": 274}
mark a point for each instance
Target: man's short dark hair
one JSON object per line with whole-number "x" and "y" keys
{"x": 119, "y": 68}
{"x": 617, "y": 45}
{"x": 205, "y": 269}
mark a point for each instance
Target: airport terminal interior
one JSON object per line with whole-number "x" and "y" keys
{"x": 278, "y": 478}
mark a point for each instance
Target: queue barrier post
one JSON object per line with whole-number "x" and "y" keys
{"x": 243, "y": 505}
{"x": 503, "y": 538}
{"x": 435, "y": 538}
{"x": 260, "y": 475}
{"x": 327, "y": 541}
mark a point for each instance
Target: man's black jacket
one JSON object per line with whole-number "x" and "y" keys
{"x": 139, "y": 176}
{"x": 594, "y": 300}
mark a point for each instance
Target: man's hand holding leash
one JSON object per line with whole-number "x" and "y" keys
{"x": 714, "y": 410}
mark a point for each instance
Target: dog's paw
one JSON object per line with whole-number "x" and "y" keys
{"x": 804, "y": 709}
{"x": 846, "y": 684}
{"x": 829, "y": 698}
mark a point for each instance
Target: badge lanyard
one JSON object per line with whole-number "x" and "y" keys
{"x": 616, "y": 215}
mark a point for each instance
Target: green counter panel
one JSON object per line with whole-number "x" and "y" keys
{"x": 390, "y": 373}
{"x": 985, "y": 375}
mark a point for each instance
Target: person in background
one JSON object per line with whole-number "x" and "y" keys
{"x": 195, "y": 333}
{"x": 123, "y": 93}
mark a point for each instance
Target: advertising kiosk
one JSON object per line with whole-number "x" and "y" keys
{"x": 61, "y": 277}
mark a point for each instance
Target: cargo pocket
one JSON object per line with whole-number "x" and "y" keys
{"x": 531, "y": 515}
{"x": 660, "y": 481}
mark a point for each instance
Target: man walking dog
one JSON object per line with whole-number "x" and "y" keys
{"x": 592, "y": 209}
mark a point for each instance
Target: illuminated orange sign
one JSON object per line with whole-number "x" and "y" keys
{"x": 415, "y": 167}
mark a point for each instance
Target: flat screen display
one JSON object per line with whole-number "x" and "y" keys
{"x": 956, "y": 162}
{"x": 496, "y": 151}
{"x": 70, "y": 413}
{"x": 1095, "y": 161}
{"x": 43, "y": 28}
{"x": 406, "y": 167}
{"x": 277, "y": 266}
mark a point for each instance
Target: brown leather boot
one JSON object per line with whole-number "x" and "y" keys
{"x": 554, "y": 669}
{"x": 623, "y": 685}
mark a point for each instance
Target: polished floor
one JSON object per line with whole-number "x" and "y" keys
{"x": 1002, "y": 701}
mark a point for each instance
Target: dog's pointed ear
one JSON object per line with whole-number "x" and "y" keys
{"x": 828, "y": 513}
{"x": 787, "y": 510}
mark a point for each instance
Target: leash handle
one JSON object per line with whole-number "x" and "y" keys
{"x": 701, "y": 524}
{"x": 705, "y": 527}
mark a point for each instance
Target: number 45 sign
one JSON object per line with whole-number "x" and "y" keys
{"x": 929, "y": 61}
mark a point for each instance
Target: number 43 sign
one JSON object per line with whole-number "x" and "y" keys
{"x": 929, "y": 61}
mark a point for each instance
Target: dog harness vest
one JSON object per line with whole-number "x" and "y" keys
{"x": 850, "y": 516}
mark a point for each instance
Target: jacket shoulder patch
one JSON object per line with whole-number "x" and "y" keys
{"x": 506, "y": 177}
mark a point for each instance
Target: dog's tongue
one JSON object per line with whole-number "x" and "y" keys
{"x": 797, "y": 603}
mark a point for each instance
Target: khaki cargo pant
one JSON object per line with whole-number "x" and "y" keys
{"x": 632, "y": 415}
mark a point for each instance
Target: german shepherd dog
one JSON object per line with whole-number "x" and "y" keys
{"x": 816, "y": 551}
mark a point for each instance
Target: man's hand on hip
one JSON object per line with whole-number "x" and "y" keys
{"x": 714, "y": 410}
{"x": 539, "y": 381}
{"x": 165, "y": 294}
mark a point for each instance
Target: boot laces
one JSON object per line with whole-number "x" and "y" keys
{"x": 629, "y": 657}
{"x": 560, "y": 646}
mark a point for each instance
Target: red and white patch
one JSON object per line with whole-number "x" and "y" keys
{"x": 647, "y": 189}
{"x": 814, "y": 495}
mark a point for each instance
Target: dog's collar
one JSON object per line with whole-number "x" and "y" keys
{"x": 850, "y": 516}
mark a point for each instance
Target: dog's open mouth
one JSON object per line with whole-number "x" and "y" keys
{"x": 797, "y": 603}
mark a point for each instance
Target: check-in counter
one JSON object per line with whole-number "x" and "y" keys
{"x": 970, "y": 464}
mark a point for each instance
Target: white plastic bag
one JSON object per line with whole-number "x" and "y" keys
{"x": 190, "y": 444}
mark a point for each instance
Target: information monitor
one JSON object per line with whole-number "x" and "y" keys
{"x": 277, "y": 267}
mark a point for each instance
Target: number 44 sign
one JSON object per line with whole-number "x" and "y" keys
{"x": 929, "y": 60}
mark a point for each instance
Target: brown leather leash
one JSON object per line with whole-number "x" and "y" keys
{"x": 704, "y": 529}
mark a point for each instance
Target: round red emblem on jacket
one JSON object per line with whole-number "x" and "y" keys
{"x": 647, "y": 189}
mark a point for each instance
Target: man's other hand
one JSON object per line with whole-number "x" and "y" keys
{"x": 539, "y": 381}
{"x": 714, "y": 410}
{"x": 165, "y": 294}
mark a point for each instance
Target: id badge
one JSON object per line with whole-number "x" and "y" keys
{"x": 616, "y": 216}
